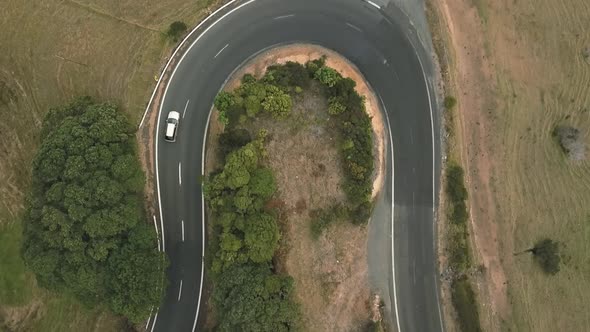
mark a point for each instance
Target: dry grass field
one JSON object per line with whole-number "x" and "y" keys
{"x": 518, "y": 69}
{"x": 52, "y": 51}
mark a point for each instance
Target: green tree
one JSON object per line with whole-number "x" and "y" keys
{"x": 84, "y": 212}
{"x": 252, "y": 299}
{"x": 175, "y": 30}
{"x": 261, "y": 237}
{"x": 335, "y": 107}
{"x": 328, "y": 76}
{"x": 546, "y": 253}
{"x": 277, "y": 102}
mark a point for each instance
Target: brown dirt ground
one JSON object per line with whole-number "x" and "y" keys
{"x": 517, "y": 70}
{"x": 330, "y": 273}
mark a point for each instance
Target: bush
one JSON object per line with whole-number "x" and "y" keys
{"x": 450, "y": 102}
{"x": 463, "y": 299}
{"x": 175, "y": 30}
{"x": 233, "y": 139}
{"x": 322, "y": 219}
{"x": 85, "y": 231}
{"x": 570, "y": 141}
{"x": 327, "y": 76}
{"x": 291, "y": 74}
{"x": 546, "y": 253}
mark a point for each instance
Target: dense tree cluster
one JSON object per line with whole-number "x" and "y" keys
{"x": 83, "y": 230}
{"x": 248, "y": 295}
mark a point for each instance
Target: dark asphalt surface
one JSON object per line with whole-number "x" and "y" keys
{"x": 383, "y": 53}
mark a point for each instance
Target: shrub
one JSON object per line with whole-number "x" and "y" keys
{"x": 465, "y": 304}
{"x": 546, "y": 253}
{"x": 291, "y": 74}
{"x": 570, "y": 141}
{"x": 327, "y": 76}
{"x": 322, "y": 219}
{"x": 277, "y": 103}
{"x": 175, "y": 30}
{"x": 450, "y": 102}
{"x": 233, "y": 139}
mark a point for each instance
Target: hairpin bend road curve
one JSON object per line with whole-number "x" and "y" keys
{"x": 397, "y": 67}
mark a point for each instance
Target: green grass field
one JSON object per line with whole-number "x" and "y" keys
{"x": 52, "y": 51}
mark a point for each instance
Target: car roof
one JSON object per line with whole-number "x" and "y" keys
{"x": 174, "y": 115}
{"x": 170, "y": 129}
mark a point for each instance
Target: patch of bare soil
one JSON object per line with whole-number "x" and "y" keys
{"x": 330, "y": 273}
{"x": 18, "y": 318}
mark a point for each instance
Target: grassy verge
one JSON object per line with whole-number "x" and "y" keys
{"x": 462, "y": 295}
{"x": 456, "y": 235}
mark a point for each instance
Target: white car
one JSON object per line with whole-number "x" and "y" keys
{"x": 172, "y": 122}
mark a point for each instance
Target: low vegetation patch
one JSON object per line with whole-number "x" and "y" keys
{"x": 464, "y": 302}
{"x": 84, "y": 231}
{"x": 462, "y": 294}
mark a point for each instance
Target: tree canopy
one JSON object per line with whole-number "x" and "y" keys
{"x": 247, "y": 294}
{"x": 546, "y": 253}
{"x": 84, "y": 229}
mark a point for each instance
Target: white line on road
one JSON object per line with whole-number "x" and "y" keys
{"x": 373, "y": 4}
{"x": 157, "y": 233}
{"x": 180, "y": 290}
{"x": 182, "y": 224}
{"x": 154, "y": 323}
{"x": 185, "y": 107}
{"x": 149, "y": 319}
{"x": 442, "y": 326}
{"x": 392, "y": 215}
{"x": 354, "y": 27}
{"x": 284, "y": 16}
{"x": 160, "y": 114}
{"x": 221, "y": 50}
{"x": 179, "y": 175}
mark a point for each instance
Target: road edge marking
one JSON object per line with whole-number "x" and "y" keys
{"x": 434, "y": 221}
{"x": 392, "y": 214}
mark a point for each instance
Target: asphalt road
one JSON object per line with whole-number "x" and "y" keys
{"x": 384, "y": 53}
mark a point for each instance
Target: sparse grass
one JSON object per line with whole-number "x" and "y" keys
{"x": 52, "y": 51}
{"x": 14, "y": 282}
{"x": 537, "y": 79}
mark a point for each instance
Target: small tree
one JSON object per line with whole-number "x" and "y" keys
{"x": 546, "y": 253}
{"x": 328, "y": 76}
{"x": 176, "y": 30}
